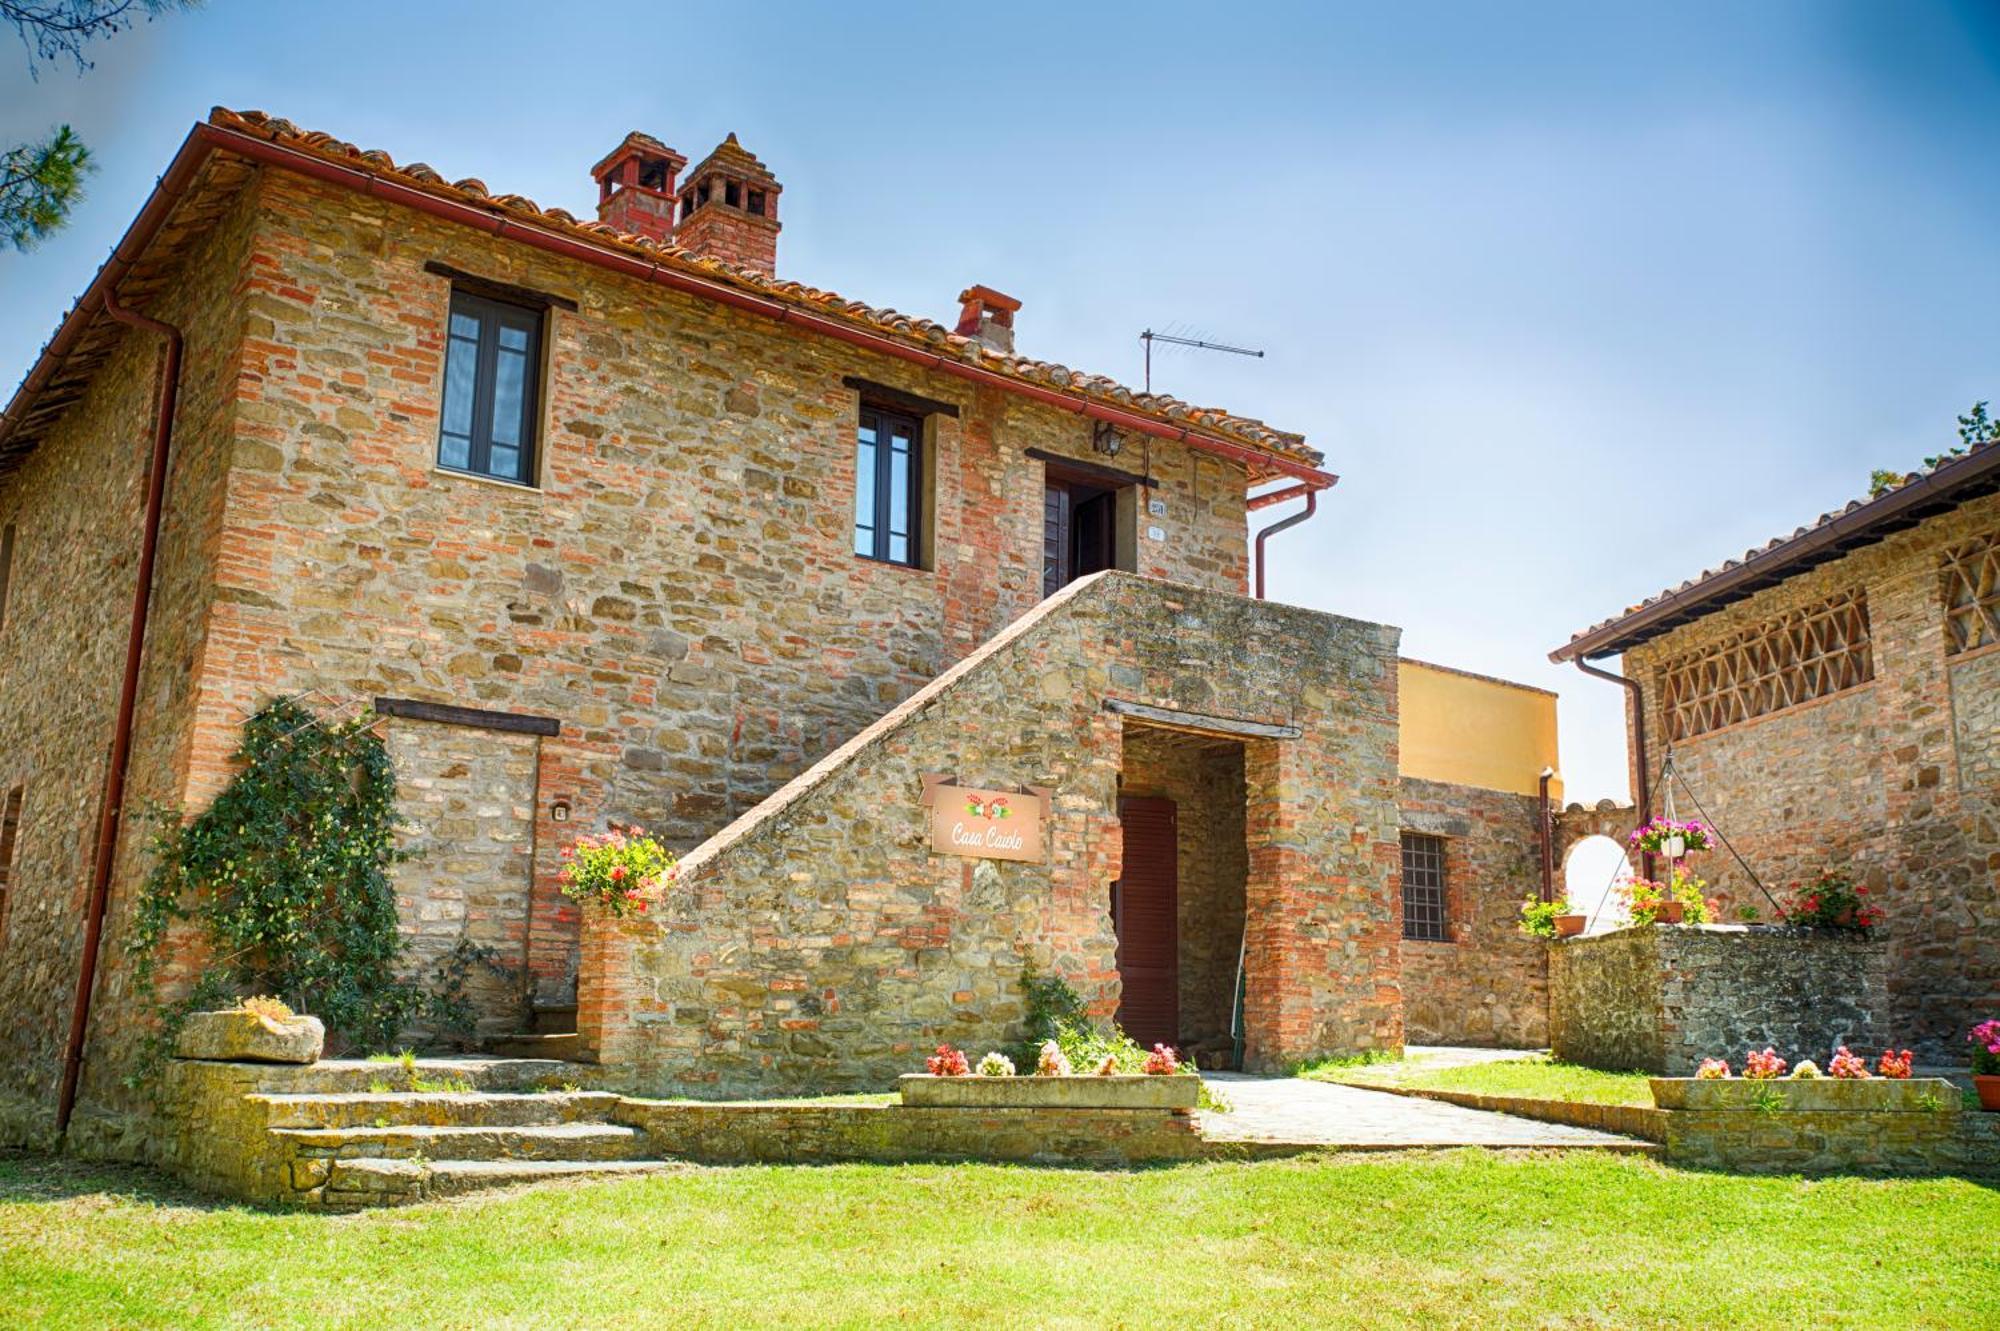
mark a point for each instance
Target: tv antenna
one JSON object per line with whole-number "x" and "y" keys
{"x": 1149, "y": 337}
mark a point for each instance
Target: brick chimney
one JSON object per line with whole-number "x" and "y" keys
{"x": 729, "y": 209}
{"x": 987, "y": 315}
{"x": 635, "y": 186}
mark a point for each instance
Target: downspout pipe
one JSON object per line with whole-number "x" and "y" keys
{"x": 1548, "y": 836}
{"x": 128, "y": 694}
{"x": 1641, "y": 785}
{"x": 1312, "y": 506}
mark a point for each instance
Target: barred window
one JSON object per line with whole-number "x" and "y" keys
{"x": 1801, "y": 655}
{"x": 1423, "y": 888}
{"x": 1971, "y": 588}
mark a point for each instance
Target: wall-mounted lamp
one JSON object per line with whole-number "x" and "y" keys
{"x": 1106, "y": 439}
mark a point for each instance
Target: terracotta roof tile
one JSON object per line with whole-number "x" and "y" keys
{"x": 1241, "y": 429}
{"x": 1775, "y": 555}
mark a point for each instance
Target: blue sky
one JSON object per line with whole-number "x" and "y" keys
{"x": 1577, "y": 299}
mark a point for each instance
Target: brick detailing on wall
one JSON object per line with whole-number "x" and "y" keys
{"x": 76, "y": 505}
{"x": 1893, "y": 780}
{"x": 818, "y": 943}
{"x": 1488, "y": 985}
{"x": 1660, "y": 998}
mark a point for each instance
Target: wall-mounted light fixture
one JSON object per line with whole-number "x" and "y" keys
{"x": 1106, "y": 439}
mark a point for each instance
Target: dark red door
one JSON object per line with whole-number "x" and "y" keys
{"x": 1145, "y": 915}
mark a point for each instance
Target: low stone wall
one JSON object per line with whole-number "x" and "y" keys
{"x": 1641, "y": 1121}
{"x": 724, "y": 1133}
{"x": 1662, "y": 998}
{"x": 1824, "y": 1127}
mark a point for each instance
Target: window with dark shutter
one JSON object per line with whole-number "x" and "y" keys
{"x": 888, "y": 472}
{"x": 492, "y": 373}
{"x": 1423, "y": 888}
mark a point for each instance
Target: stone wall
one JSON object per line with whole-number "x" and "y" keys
{"x": 1204, "y": 778}
{"x": 1489, "y": 984}
{"x": 1900, "y": 1128}
{"x": 78, "y": 504}
{"x": 818, "y": 943}
{"x": 467, "y": 799}
{"x": 1660, "y": 998}
{"x": 1893, "y": 780}
{"x": 679, "y": 591}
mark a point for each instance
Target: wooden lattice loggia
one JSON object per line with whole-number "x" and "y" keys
{"x": 1803, "y": 654}
{"x": 1969, "y": 577}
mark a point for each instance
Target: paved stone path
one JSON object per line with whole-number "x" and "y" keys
{"x": 1292, "y": 1110}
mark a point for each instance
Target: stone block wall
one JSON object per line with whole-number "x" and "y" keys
{"x": 819, "y": 943}
{"x": 1896, "y": 780}
{"x": 1660, "y": 998}
{"x": 77, "y": 504}
{"x": 1204, "y": 777}
{"x": 1489, "y": 984}
{"x": 679, "y": 591}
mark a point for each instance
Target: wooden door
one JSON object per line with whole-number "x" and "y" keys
{"x": 1079, "y": 531}
{"x": 1145, "y": 914}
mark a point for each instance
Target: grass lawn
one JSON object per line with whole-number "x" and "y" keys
{"x": 1364, "y": 1241}
{"x": 1533, "y": 1075}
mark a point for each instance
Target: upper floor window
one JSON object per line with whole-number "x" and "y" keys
{"x": 1971, "y": 592}
{"x": 1423, "y": 888}
{"x": 888, "y": 467}
{"x": 492, "y": 372}
{"x": 1800, "y": 655}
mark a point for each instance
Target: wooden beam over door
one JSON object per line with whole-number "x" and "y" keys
{"x": 518, "y": 723}
{"x": 1201, "y": 722}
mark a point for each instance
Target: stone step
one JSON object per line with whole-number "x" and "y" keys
{"x": 564, "y": 1047}
{"x": 471, "y": 1109}
{"x": 366, "y": 1182}
{"x": 580, "y": 1142}
{"x": 341, "y": 1075}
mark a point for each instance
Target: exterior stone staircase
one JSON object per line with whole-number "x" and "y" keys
{"x": 346, "y": 1134}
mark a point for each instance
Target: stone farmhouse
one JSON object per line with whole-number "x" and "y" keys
{"x": 605, "y": 520}
{"x": 1834, "y": 700}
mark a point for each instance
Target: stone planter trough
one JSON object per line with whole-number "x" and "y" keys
{"x": 1825, "y": 1095}
{"x": 236, "y": 1036}
{"x": 921, "y": 1090}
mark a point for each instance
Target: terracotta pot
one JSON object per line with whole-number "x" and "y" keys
{"x": 1569, "y": 926}
{"x": 1988, "y": 1087}
{"x": 1669, "y": 912}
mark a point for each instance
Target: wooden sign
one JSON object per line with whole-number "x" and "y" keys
{"x": 986, "y": 824}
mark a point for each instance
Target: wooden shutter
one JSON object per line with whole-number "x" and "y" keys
{"x": 1146, "y": 903}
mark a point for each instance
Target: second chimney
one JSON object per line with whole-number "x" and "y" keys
{"x": 729, "y": 209}
{"x": 635, "y": 186}
{"x": 987, "y": 315}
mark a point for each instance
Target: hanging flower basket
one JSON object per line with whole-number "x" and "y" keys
{"x": 1666, "y": 836}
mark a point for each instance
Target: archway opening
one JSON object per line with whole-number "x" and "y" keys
{"x": 1593, "y": 872}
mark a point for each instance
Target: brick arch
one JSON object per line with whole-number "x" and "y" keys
{"x": 1604, "y": 818}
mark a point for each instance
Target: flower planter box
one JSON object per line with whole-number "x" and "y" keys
{"x": 236, "y": 1036}
{"x": 1807, "y": 1096}
{"x": 921, "y": 1090}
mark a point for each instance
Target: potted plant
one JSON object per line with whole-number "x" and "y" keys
{"x": 1985, "y": 1038}
{"x": 1668, "y": 837}
{"x": 1676, "y": 901}
{"x": 1831, "y": 901}
{"x": 1550, "y": 919}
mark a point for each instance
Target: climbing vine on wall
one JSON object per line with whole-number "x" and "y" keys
{"x": 286, "y": 876}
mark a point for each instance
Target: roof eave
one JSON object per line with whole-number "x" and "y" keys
{"x": 1946, "y": 486}
{"x": 208, "y": 136}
